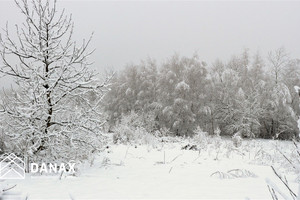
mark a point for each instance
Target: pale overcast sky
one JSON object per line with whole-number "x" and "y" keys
{"x": 126, "y": 31}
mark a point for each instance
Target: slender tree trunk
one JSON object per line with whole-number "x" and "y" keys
{"x": 212, "y": 123}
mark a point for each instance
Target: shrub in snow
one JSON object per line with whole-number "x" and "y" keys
{"x": 144, "y": 137}
{"x": 131, "y": 119}
{"x": 200, "y": 138}
{"x": 216, "y": 141}
{"x": 164, "y": 132}
{"x": 123, "y": 134}
{"x": 130, "y": 135}
{"x": 217, "y": 132}
{"x": 131, "y": 131}
{"x": 237, "y": 140}
{"x": 139, "y": 119}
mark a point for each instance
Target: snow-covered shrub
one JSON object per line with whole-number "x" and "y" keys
{"x": 217, "y": 132}
{"x": 144, "y": 137}
{"x": 131, "y": 119}
{"x": 130, "y": 135}
{"x": 201, "y": 138}
{"x": 163, "y": 132}
{"x": 139, "y": 119}
{"x": 216, "y": 141}
{"x": 237, "y": 140}
{"x": 123, "y": 134}
{"x": 149, "y": 121}
{"x": 131, "y": 131}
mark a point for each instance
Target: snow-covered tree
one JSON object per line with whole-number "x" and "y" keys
{"x": 256, "y": 71}
{"x": 225, "y": 107}
{"x": 278, "y": 60}
{"x": 236, "y": 92}
{"x": 181, "y": 109}
{"x": 237, "y": 96}
{"x": 246, "y": 117}
{"x": 54, "y": 109}
{"x": 182, "y": 84}
{"x": 133, "y": 89}
{"x": 279, "y": 116}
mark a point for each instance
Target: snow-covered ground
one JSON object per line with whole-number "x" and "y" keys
{"x": 167, "y": 171}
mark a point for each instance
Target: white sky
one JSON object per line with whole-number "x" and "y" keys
{"x": 126, "y": 31}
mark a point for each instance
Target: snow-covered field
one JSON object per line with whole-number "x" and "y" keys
{"x": 167, "y": 171}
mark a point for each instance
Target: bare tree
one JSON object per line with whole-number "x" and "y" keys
{"x": 54, "y": 109}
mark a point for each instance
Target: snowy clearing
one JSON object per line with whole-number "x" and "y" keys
{"x": 167, "y": 171}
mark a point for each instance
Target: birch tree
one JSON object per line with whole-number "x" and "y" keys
{"x": 54, "y": 109}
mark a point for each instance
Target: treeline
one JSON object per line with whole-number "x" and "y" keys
{"x": 249, "y": 95}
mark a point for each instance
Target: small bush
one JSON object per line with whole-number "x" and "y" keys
{"x": 201, "y": 138}
{"x": 122, "y": 135}
{"x": 237, "y": 140}
{"x": 130, "y": 131}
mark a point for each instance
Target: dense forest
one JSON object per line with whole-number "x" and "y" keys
{"x": 248, "y": 95}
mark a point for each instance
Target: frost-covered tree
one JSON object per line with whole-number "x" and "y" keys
{"x": 291, "y": 78}
{"x": 234, "y": 97}
{"x": 280, "y": 117}
{"x": 133, "y": 89}
{"x": 147, "y": 94}
{"x": 182, "y": 83}
{"x": 214, "y": 96}
{"x": 256, "y": 71}
{"x": 225, "y": 107}
{"x": 237, "y": 96}
{"x": 54, "y": 109}
{"x": 246, "y": 115}
{"x": 278, "y": 60}
{"x": 181, "y": 109}
{"x": 196, "y": 77}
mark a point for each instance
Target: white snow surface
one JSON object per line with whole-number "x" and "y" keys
{"x": 164, "y": 172}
